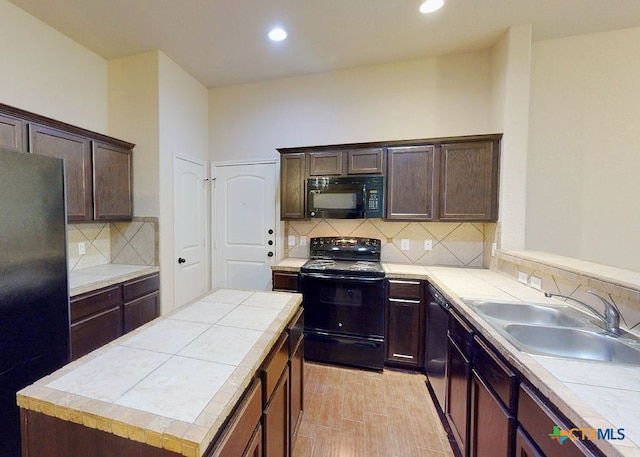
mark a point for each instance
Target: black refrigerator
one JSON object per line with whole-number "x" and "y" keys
{"x": 34, "y": 290}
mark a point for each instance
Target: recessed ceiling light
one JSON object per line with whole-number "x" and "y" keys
{"x": 430, "y": 6}
{"x": 277, "y": 34}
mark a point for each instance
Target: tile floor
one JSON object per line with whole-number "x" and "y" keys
{"x": 350, "y": 412}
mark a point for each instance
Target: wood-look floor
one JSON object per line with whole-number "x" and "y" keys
{"x": 350, "y": 412}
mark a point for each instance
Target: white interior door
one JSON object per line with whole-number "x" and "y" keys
{"x": 190, "y": 219}
{"x": 244, "y": 221}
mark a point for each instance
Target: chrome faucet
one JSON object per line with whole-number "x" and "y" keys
{"x": 611, "y": 316}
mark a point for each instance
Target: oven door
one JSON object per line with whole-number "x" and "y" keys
{"x": 335, "y": 198}
{"x": 344, "y": 305}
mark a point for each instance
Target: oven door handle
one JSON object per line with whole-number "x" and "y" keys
{"x": 343, "y": 277}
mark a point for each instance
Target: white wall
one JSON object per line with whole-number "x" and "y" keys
{"x": 584, "y": 148}
{"x": 47, "y": 73}
{"x": 421, "y": 98}
{"x": 183, "y": 121}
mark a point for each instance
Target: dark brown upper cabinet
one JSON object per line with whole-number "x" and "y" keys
{"x": 292, "y": 185}
{"x": 325, "y": 163}
{"x": 468, "y": 181}
{"x": 365, "y": 161}
{"x": 12, "y": 133}
{"x": 98, "y": 168}
{"x": 437, "y": 179}
{"x": 76, "y": 153}
{"x": 410, "y": 182}
{"x": 112, "y": 182}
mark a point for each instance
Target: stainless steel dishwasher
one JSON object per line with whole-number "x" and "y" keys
{"x": 436, "y": 345}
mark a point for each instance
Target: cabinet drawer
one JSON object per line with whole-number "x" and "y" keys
{"x": 296, "y": 329}
{"x": 140, "y": 311}
{"x": 460, "y": 332}
{"x": 94, "y": 302}
{"x": 285, "y": 281}
{"x": 241, "y": 429}
{"x": 96, "y": 331}
{"x": 497, "y": 375}
{"x": 538, "y": 420}
{"x": 139, "y": 287}
{"x": 404, "y": 289}
{"x": 274, "y": 367}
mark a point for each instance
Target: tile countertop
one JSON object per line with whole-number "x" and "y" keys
{"x": 174, "y": 381}
{"x": 590, "y": 394}
{"x": 94, "y": 278}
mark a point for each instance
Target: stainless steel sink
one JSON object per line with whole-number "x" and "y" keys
{"x": 572, "y": 342}
{"x": 556, "y": 330}
{"x": 528, "y": 313}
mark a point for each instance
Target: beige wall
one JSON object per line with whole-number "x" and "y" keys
{"x": 421, "y": 98}
{"x": 584, "y": 160}
{"x": 134, "y": 116}
{"x": 47, "y": 73}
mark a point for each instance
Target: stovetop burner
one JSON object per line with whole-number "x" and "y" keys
{"x": 353, "y": 256}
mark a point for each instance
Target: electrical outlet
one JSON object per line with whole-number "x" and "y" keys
{"x": 523, "y": 277}
{"x": 82, "y": 248}
{"x": 536, "y": 282}
{"x": 494, "y": 246}
{"x": 303, "y": 241}
{"x": 428, "y": 245}
{"x": 291, "y": 240}
{"x": 404, "y": 244}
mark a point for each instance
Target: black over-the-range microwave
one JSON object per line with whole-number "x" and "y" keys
{"x": 345, "y": 197}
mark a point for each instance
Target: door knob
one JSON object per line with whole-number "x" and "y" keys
{"x": 181, "y": 260}
{"x": 270, "y": 232}
{"x": 270, "y": 254}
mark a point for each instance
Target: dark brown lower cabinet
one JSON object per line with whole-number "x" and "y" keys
{"x": 243, "y": 434}
{"x": 296, "y": 373}
{"x": 405, "y": 324}
{"x": 491, "y": 424}
{"x": 285, "y": 281}
{"x": 100, "y": 317}
{"x": 458, "y": 395}
{"x": 276, "y": 420}
{"x": 536, "y": 421}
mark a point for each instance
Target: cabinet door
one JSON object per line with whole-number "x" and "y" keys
{"x": 12, "y": 133}
{"x": 525, "y": 447}
{"x": 112, "y": 180}
{"x": 140, "y": 311}
{"x": 410, "y": 183}
{"x": 405, "y": 332}
{"x": 325, "y": 163}
{"x": 469, "y": 181}
{"x": 276, "y": 420}
{"x": 492, "y": 426}
{"x": 297, "y": 389}
{"x": 96, "y": 331}
{"x": 292, "y": 185}
{"x": 364, "y": 161}
{"x": 75, "y": 151}
{"x": 243, "y": 434}
{"x": 255, "y": 445}
{"x": 458, "y": 395}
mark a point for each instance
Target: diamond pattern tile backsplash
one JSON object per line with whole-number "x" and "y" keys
{"x": 453, "y": 243}
{"x": 132, "y": 243}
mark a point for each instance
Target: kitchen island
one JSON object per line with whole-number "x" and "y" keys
{"x": 173, "y": 386}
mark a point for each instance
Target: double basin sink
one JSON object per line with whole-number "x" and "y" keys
{"x": 558, "y": 331}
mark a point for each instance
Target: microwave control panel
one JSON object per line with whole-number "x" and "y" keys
{"x": 373, "y": 200}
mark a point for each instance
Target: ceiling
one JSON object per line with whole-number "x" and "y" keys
{"x": 222, "y": 42}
